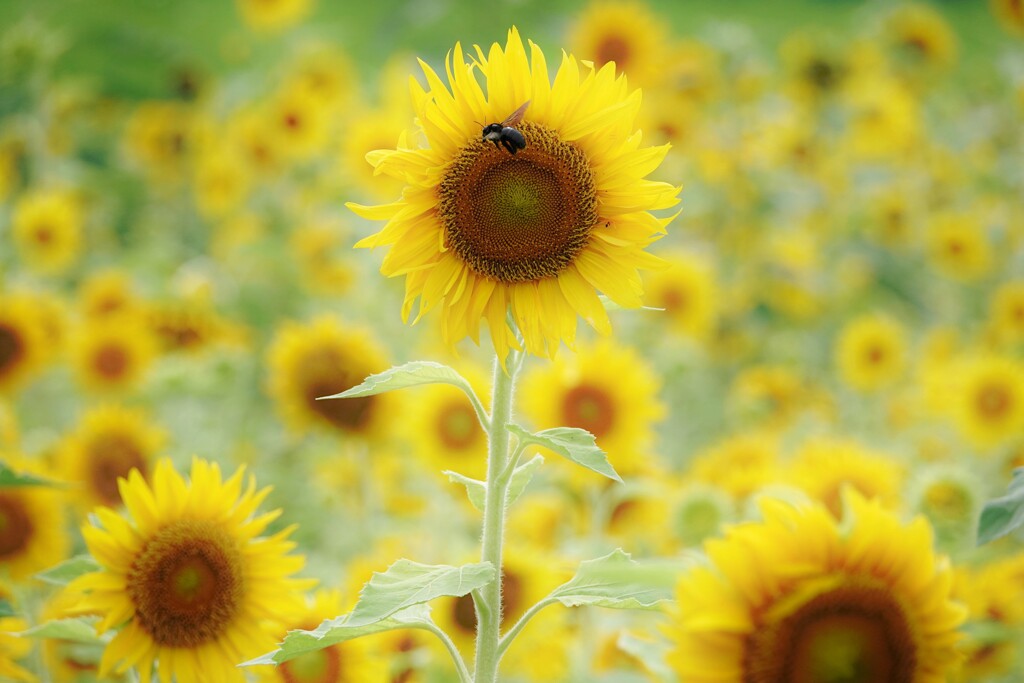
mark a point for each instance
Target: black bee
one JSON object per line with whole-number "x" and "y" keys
{"x": 504, "y": 135}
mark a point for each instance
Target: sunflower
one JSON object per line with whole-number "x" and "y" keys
{"x": 1011, "y": 14}
{"x": 444, "y": 430}
{"x": 919, "y": 39}
{"x": 13, "y": 647}
{"x": 113, "y": 354}
{"x": 32, "y": 534}
{"x": 1006, "y": 312}
{"x": 740, "y": 464}
{"x": 606, "y": 389}
{"x": 348, "y": 662}
{"x": 824, "y": 467}
{"x": 163, "y": 137}
{"x": 797, "y": 597}
{"x": 626, "y": 34}
{"x": 68, "y": 661}
{"x": 773, "y": 396}
{"x": 22, "y": 340}
{"x": 958, "y": 246}
{"x": 688, "y": 291}
{"x": 185, "y": 577}
{"x": 323, "y": 358}
{"x": 370, "y": 130}
{"x": 994, "y": 595}
{"x": 299, "y": 120}
{"x": 47, "y": 230}
{"x": 481, "y": 231}
{"x": 950, "y": 496}
{"x": 871, "y": 352}
{"x": 253, "y": 136}
{"x": 108, "y": 443}
{"x": 273, "y": 15}
{"x": 316, "y": 248}
{"x": 188, "y": 325}
{"x": 816, "y": 70}
{"x": 698, "y": 512}
{"x": 107, "y": 292}
{"x": 986, "y": 399}
{"x": 221, "y": 181}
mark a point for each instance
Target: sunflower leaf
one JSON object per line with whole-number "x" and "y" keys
{"x": 1003, "y": 515}
{"x": 577, "y": 445}
{"x": 338, "y": 630}
{"x": 521, "y": 477}
{"x": 475, "y": 489}
{"x": 6, "y": 610}
{"x": 10, "y": 478}
{"x": 68, "y": 570}
{"x": 80, "y": 630}
{"x": 407, "y": 583}
{"x": 618, "y": 582}
{"x": 408, "y": 375}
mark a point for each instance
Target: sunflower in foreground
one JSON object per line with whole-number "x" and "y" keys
{"x": 481, "y": 232}
{"x": 799, "y": 597}
{"x": 186, "y": 576}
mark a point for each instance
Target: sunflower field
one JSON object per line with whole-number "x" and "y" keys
{"x": 446, "y": 341}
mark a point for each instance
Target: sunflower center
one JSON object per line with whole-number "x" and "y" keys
{"x": 319, "y": 666}
{"x": 15, "y": 525}
{"x": 111, "y": 361}
{"x": 11, "y": 347}
{"x": 853, "y": 633}
{"x": 994, "y": 401}
{"x": 589, "y": 407}
{"x": 523, "y": 217}
{"x": 874, "y": 354}
{"x": 613, "y": 48}
{"x": 112, "y": 457}
{"x": 464, "y": 612}
{"x": 186, "y": 584}
{"x": 457, "y": 426}
{"x": 327, "y": 372}
{"x": 948, "y": 500}
{"x": 675, "y": 299}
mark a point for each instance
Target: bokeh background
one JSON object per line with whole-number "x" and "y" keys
{"x": 844, "y": 304}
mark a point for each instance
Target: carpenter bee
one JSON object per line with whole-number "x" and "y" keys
{"x": 504, "y": 135}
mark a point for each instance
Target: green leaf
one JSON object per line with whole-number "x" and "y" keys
{"x": 651, "y": 653}
{"x": 10, "y": 478}
{"x": 409, "y": 375}
{"x": 475, "y": 489}
{"x": 6, "y": 610}
{"x": 521, "y": 477}
{"x": 81, "y": 630}
{"x": 68, "y": 570}
{"x": 407, "y": 583}
{"x": 577, "y": 445}
{"x": 333, "y": 631}
{"x": 618, "y": 582}
{"x": 1003, "y": 515}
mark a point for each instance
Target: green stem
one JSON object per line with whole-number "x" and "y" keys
{"x": 514, "y": 631}
{"x": 460, "y": 666}
{"x": 488, "y": 598}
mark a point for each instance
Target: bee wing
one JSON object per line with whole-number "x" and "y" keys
{"x": 516, "y": 116}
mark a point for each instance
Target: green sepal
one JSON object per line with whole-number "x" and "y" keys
{"x": 1003, "y": 515}
{"x": 577, "y": 445}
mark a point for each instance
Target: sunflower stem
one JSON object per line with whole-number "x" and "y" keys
{"x": 488, "y": 598}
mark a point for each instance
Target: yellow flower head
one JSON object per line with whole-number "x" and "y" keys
{"x": 32, "y": 531}
{"x": 186, "y": 577}
{"x": 347, "y": 662}
{"x": 871, "y": 352}
{"x": 986, "y": 399}
{"x": 919, "y": 38}
{"x": 607, "y": 390}
{"x": 163, "y": 137}
{"x": 221, "y": 181}
{"x": 12, "y": 646}
{"x": 299, "y": 121}
{"x": 798, "y": 597}
{"x": 22, "y": 343}
{"x": 816, "y": 69}
{"x": 627, "y": 34}
{"x": 1011, "y": 13}
{"x": 1006, "y": 312}
{"x": 113, "y": 355}
{"x": 107, "y": 292}
{"x": 323, "y": 358}
{"x": 688, "y": 291}
{"x": 825, "y": 467}
{"x": 958, "y": 246}
{"x": 480, "y": 231}
{"x": 273, "y": 15}
{"x": 107, "y": 444}
{"x": 739, "y": 465}
{"x": 47, "y": 230}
